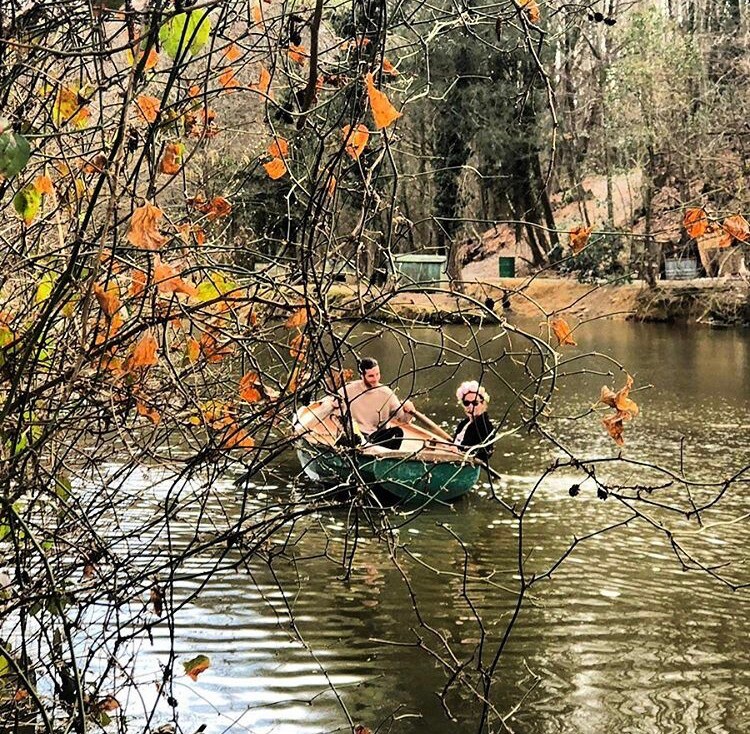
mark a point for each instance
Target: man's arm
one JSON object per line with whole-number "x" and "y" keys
{"x": 400, "y": 410}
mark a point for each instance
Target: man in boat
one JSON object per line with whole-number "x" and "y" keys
{"x": 371, "y": 405}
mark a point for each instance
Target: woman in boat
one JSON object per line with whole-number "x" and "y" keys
{"x": 475, "y": 428}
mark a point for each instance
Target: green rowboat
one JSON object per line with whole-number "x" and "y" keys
{"x": 425, "y": 468}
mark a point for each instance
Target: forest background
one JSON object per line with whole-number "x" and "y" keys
{"x": 183, "y": 186}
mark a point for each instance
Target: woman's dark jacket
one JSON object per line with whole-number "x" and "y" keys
{"x": 478, "y": 432}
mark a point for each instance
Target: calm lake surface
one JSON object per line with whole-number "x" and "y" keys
{"x": 621, "y": 639}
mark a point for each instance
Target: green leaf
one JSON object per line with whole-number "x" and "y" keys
{"x": 200, "y": 30}
{"x": 44, "y": 289}
{"x": 4, "y": 530}
{"x": 185, "y": 32}
{"x": 27, "y": 202}
{"x": 195, "y": 666}
{"x": 6, "y": 336}
{"x": 21, "y": 444}
{"x": 57, "y": 604}
{"x": 215, "y": 286}
{"x": 63, "y": 486}
{"x": 4, "y": 666}
{"x": 103, "y": 718}
{"x": 14, "y": 150}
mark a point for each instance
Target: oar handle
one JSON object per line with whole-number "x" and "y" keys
{"x": 433, "y": 426}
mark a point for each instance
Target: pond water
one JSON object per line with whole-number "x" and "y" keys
{"x": 620, "y": 639}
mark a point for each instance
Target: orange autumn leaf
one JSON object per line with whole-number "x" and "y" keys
{"x": 115, "y": 324}
{"x": 383, "y": 112}
{"x": 143, "y": 354}
{"x": 148, "y": 107}
{"x": 252, "y": 317}
{"x": 237, "y": 438}
{"x": 108, "y": 703}
{"x": 615, "y": 427}
{"x": 228, "y": 80}
{"x": 248, "y": 388}
{"x": 184, "y": 230}
{"x": 144, "y": 228}
{"x": 96, "y": 165}
{"x": 194, "y": 91}
{"x": 232, "y": 53}
{"x": 355, "y": 140}
{"x": 620, "y": 400}
{"x": 212, "y": 350}
{"x": 737, "y": 227}
{"x": 114, "y": 365}
{"x": 194, "y": 667}
{"x": 43, "y": 184}
{"x": 625, "y": 409}
{"x": 297, "y": 319}
{"x": 20, "y": 695}
{"x": 297, "y": 53}
{"x": 714, "y": 238}
{"x": 257, "y": 14}
{"x": 201, "y": 123}
{"x": 251, "y": 394}
{"x": 147, "y": 412}
{"x": 279, "y": 148}
{"x": 193, "y": 350}
{"x": 298, "y": 347}
{"x": 331, "y": 188}
{"x": 532, "y": 10}
{"x": 389, "y": 68}
{"x": 578, "y": 238}
{"x": 695, "y": 222}
{"x": 562, "y": 332}
{"x": 216, "y": 413}
{"x": 109, "y": 300}
{"x": 359, "y": 43}
{"x": 151, "y": 60}
{"x": 296, "y": 377}
{"x": 171, "y": 159}
{"x": 339, "y": 378}
{"x": 275, "y": 168}
{"x": 217, "y": 207}
{"x": 264, "y": 82}
{"x": 168, "y": 281}
{"x": 137, "y": 282}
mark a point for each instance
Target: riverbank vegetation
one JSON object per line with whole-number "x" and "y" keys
{"x": 185, "y": 186}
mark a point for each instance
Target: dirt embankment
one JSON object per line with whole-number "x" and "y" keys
{"x": 706, "y": 300}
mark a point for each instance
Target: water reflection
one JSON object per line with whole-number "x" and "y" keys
{"x": 620, "y": 638}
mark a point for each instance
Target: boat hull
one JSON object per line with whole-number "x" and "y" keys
{"x": 410, "y": 479}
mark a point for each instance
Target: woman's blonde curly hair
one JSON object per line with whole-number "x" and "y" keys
{"x": 471, "y": 386}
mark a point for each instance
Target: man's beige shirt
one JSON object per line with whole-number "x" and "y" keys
{"x": 371, "y": 408}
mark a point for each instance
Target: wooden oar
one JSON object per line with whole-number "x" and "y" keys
{"x": 433, "y": 426}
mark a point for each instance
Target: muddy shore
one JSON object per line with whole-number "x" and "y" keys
{"x": 708, "y": 301}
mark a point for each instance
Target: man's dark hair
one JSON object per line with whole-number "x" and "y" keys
{"x": 367, "y": 363}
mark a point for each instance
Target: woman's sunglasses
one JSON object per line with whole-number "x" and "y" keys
{"x": 472, "y": 402}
